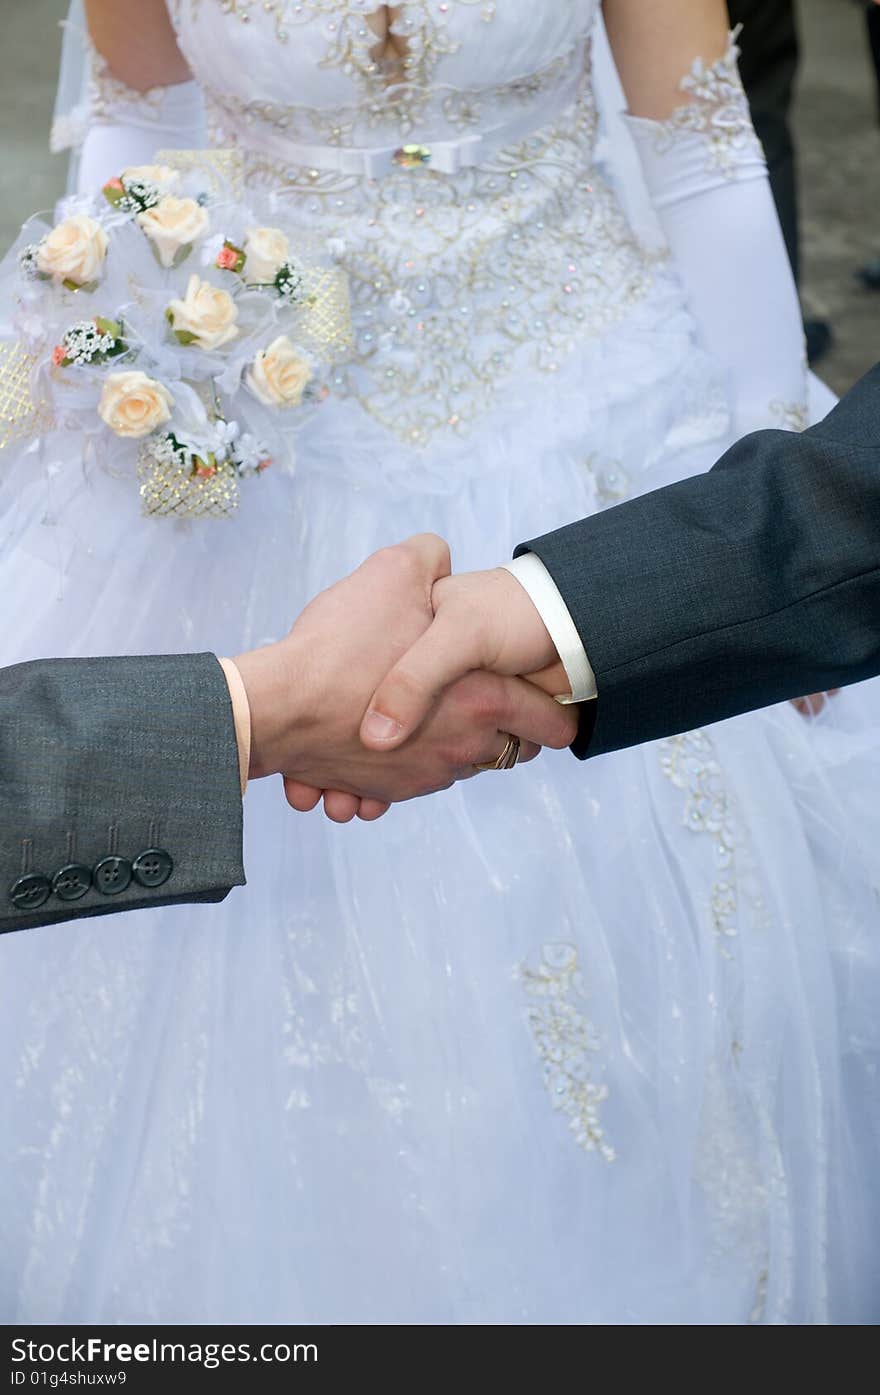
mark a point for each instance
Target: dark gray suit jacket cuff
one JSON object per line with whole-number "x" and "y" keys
{"x": 107, "y": 759}
{"x": 755, "y": 582}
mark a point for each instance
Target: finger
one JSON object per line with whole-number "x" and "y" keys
{"x": 813, "y": 703}
{"x": 496, "y": 746}
{"x": 340, "y": 807}
{"x": 432, "y": 553}
{"x": 527, "y": 751}
{"x": 403, "y": 699}
{"x": 552, "y": 680}
{"x": 301, "y": 797}
{"x": 526, "y": 712}
{"x": 372, "y": 809}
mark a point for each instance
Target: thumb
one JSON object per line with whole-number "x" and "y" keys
{"x": 553, "y": 679}
{"x": 408, "y": 692}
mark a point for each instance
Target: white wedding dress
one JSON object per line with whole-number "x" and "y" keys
{"x": 583, "y": 1043}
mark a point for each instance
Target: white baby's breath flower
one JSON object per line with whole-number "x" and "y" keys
{"x": 164, "y": 177}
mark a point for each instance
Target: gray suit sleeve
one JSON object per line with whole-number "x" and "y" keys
{"x": 756, "y": 582}
{"x": 119, "y": 787}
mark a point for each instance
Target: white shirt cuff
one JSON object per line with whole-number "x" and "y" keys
{"x": 544, "y": 594}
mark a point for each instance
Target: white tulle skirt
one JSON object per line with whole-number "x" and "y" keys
{"x": 580, "y": 1043}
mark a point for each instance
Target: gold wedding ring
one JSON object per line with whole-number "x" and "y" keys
{"x": 508, "y": 758}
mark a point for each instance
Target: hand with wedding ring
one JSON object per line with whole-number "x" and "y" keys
{"x": 508, "y": 758}
{"x": 485, "y": 628}
{"x": 308, "y": 694}
{"x": 483, "y": 622}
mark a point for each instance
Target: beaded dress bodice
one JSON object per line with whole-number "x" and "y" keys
{"x": 451, "y": 163}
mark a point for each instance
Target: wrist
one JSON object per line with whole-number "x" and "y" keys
{"x": 241, "y": 717}
{"x": 272, "y": 678}
{"x": 501, "y": 629}
{"x": 529, "y": 636}
{"x": 573, "y": 665}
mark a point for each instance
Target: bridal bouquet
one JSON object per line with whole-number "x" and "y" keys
{"x": 184, "y": 335}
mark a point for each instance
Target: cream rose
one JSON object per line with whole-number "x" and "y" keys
{"x": 206, "y": 314}
{"x": 163, "y": 176}
{"x": 172, "y": 225}
{"x": 74, "y": 251}
{"x": 133, "y": 405}
{"x": 279, "y": 375}
{"x": 266, "y": 250}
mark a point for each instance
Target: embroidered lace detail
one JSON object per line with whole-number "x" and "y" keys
{"x": 456, "y": 284}
{"x": 610, "y": 481}
{"x": 107, "y": 98}
{"x": 108, "y": 95}
{"x": 689, "y": 761}
{"x": 567, "y": 1043}
{"x": 399, "y": 81}
{"x": 790, "y": 416}
{"x": 718, "y": 112}
{"x": 69, "y": 129}
{"x": 737, "y": 1192}
{"x": 336, "y": 126}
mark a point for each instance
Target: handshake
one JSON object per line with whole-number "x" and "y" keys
{"x": 402, "y": 679}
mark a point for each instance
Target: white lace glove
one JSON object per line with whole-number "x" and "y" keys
{"x": 130, "y": 129}
{"x": 707, "y": 178}
{"x": 109, "y": 126}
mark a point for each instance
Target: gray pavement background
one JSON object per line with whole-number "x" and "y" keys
{"x": 837, "y": 131}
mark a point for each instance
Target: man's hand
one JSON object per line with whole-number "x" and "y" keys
{"x": 309, "y": 692}
{"x": 482, "y": 621}
{"x": 814, "y": 703}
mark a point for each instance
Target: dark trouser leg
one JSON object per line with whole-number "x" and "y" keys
{"x": 768, "y": 64}
{"x": 873, "y": 18}
{"x": 870, "y": 275}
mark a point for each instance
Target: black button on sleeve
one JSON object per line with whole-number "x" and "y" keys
{"x": 112, "y": 875}
{"x": 72, "y": 881}
{"x": 31, "y": 892}
{"x": 152, "y": 867}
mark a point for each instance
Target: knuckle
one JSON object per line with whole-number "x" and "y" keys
{"x": 422, "y": 557}
{"x": 400, "y": 559}
{"x": 469, "y": 753}
{"x": 481, "y": 699}
{"x": 408, "y": 686}
{"x": 564, "y": 736}
{"x": 430, "y": 546}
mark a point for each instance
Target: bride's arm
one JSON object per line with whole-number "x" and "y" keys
{"x": 654, "y": 46}
{"x": 136, "y": 40}
{"x": 141, "y": 95}
{"x": 707, "y": 178}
